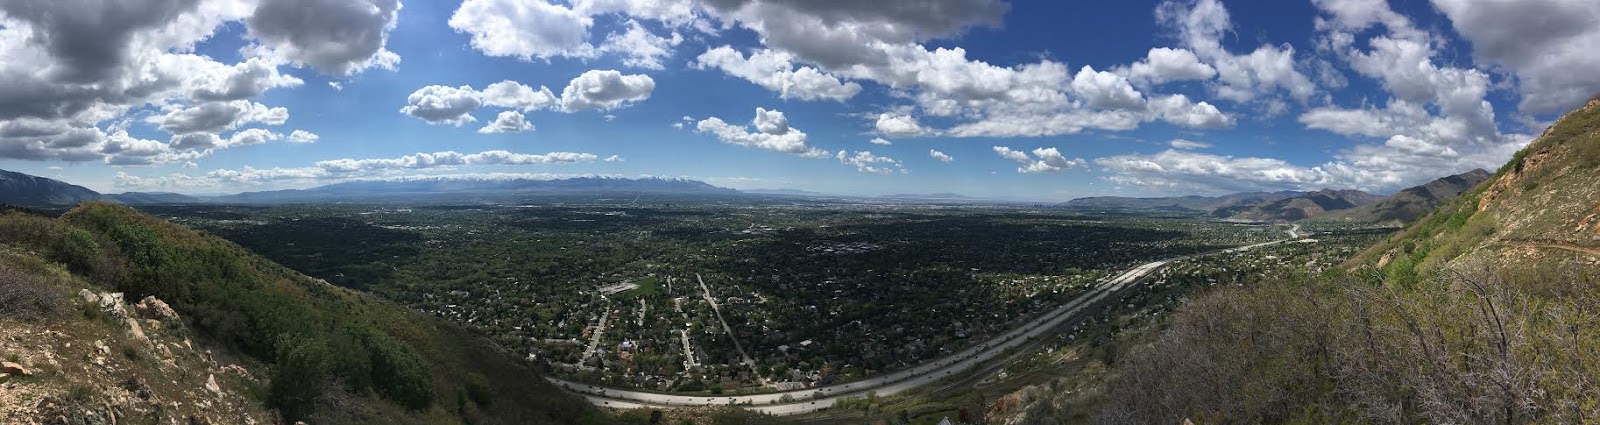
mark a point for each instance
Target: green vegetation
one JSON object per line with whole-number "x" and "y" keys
{"x": 1482, "y": 312}
{"x": 322, "y": 342}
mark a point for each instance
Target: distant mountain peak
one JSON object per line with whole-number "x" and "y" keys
{"x": 30, "y": 190}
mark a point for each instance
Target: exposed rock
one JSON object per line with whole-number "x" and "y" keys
{"x": 153, "y": 308}
{"x": 239, "y": 370}
{"x": 14, "y": 369}
{"x": 211, "y": 385}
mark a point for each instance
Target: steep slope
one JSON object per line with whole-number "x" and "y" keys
{"x": 1301, "y": 207}
{"x": 325, "y": 354}
{"x": 1409, "y": 204}
{"x": 29, "y": 190}
{"x": 1542, "y": 207}
{"x": 1480, "y": 312}
{"x": 75, "y": 355}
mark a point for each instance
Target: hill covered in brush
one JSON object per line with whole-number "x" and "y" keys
{"x": 297, "y": 347}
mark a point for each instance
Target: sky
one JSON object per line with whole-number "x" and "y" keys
{"x": 1026, "y": 100}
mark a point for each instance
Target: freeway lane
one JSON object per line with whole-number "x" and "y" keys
{"x": 814, "y": 399}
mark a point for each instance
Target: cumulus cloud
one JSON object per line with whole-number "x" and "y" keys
{"x": 302, "y": 136}
{"x": 1545, "y": 42}
{"x": 772, "y": 133}
{"x": 443, "y": 104}
{"x": 641, "y": 48}
{"x": 526, "y": 29}
{"x": 450, "y": 159}
{"x": 866, "y": 162}
{"x": 1177, "y": 170}
{"x": 507, "y": 122}
{"x": 776, "y": 71}
{"x": 841, "y": 34}
{"x": 515, "y": 95}
{"x": 900, "y": 125}
{"x": 1106, "y": 90}
{"x": 216, "y": 117}
{"x": 1044, "y": 160}
{"x": 338, "y": 37}
{"x": 250, "y": 136}
{"x": 245, "y": 80}
{"x": 1263, "y": 73}
{"x": 941, "y": 156}
{"x": 1164, "y": 65}
{"x": 605, "y": 90}
{"x": 880, "y": 141}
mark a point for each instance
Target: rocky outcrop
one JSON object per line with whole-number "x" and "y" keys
{"x": 155, "y": 309}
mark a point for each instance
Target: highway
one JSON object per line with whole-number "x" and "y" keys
{"x": 819, "y": 398}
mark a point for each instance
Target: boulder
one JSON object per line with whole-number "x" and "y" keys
{"x": 153, "y": 308}
{"x": 211, "y": 385}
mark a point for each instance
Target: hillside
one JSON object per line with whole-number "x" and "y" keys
{"x": 1300, "y": 207}
{"x": 28, "y": 190}
{"x": 304, "y": 348}
{"x": 1541, "y": 208}
{"x": 1407, "y": 205}
{"x": 1479, "y": 312}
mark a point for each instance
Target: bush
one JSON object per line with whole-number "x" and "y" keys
{"x": 399, "y": 372}
{"x": 26, "y": 296}
{"x": 478, "y": 389}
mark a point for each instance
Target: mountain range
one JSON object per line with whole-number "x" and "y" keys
{"x": 28, "y": 190}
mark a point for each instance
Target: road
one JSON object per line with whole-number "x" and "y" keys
{"x": 744, "y": 358}
{"x": 819, "y": 398}
{"x": 594, "y": 340}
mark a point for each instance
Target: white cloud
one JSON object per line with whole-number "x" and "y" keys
{"x": 515, "y": 95}
{"x": 900, "y": 125}
{"x": 880, "y": 141}
{"x": 443, "y": 104}
{"x": 1188, "y": 144}
{"x": 641, "y": 48}
{"x": 615, "y": 158}
{"x": 866, "y": 162}
{"x": 507, "y": 122}
{"x": 770, "y": 122}
{"x": 302, "y": 136}
{"x": 245, "y": 80}
{"x": 1264, "y": 72}
{"x": 451, "y": 159}
{"x": 1178, "y": 171}
{"x": 250, "y": 136}
{"x": 525, "y": 29}
{"x": 1178, "y": 110}
{"x": 1164, "y": 65}
{"x": 1105, "y": 90}
{"x": 772, "y": 133}
{"x": 776, "y": 71}
{"x": 605, "y": 90}
{"x": 941, "y": 156}
{"x": 1044, "y": 160}
{"x": 338, "y": 37}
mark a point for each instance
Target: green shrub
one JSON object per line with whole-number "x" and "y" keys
{"x": 398, "y": 372}
{"x": 478, "y": 389}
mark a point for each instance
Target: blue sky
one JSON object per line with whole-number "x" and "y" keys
{"x": 1019, "y": 100}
